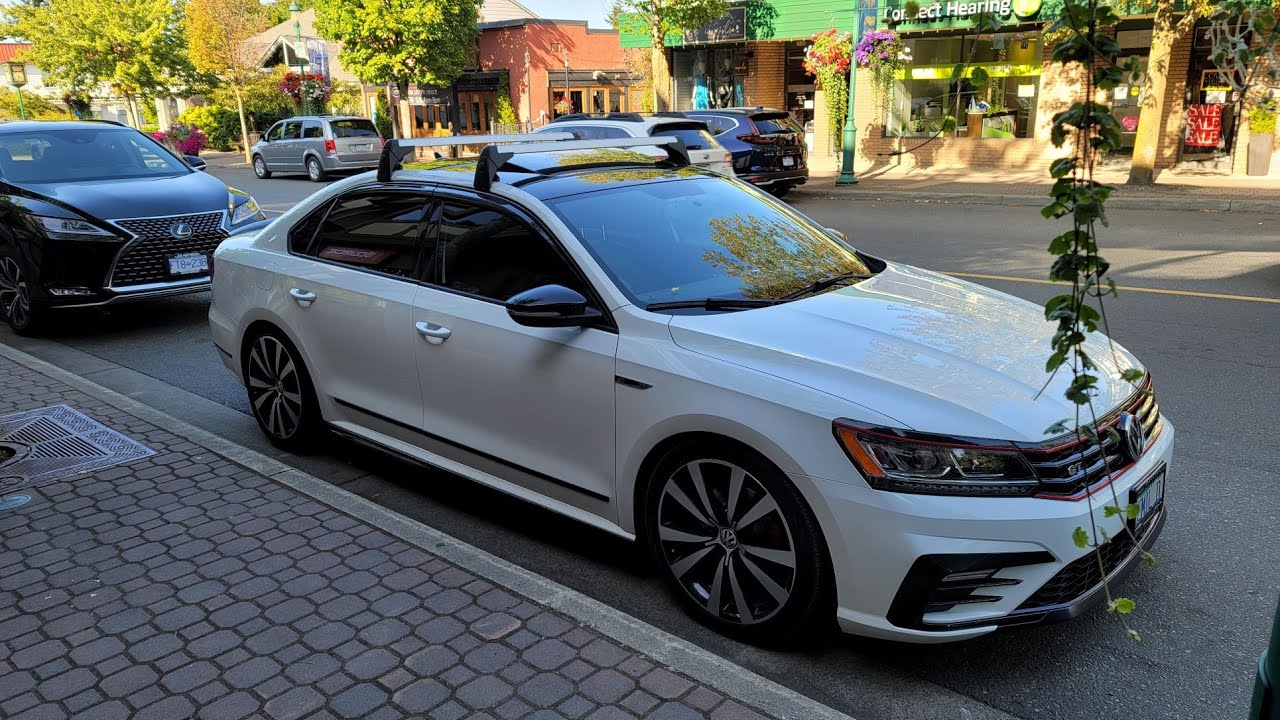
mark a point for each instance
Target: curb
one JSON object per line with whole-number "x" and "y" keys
{"x": 703, "y": 666}
{"x": 1022, "y": 200}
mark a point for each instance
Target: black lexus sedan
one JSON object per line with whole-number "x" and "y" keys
{"x": 96, "y": 213}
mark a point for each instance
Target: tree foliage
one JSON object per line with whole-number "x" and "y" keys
{"x": 134, "y": 46}
{"x": 660, "y": 18}
{"x": 218, "y": 33}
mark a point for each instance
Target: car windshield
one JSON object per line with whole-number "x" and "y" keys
{"x": 353, "y": 128}
{"x": 702, "y": 237}
{"x": 76, "y": 154}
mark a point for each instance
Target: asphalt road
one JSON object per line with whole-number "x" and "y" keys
{"x": 1203, "y": 611}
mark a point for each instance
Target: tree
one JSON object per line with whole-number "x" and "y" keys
{"x": 135, "y": 46}
{"x": 660, "y": 18}
{"x": 1168, "y": 29}
{"x": 402, "y": 41}
{"x": 217, "y": 34}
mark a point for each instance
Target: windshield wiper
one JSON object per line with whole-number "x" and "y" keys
{"x": 824, "y": 283}
{"x": 712, "y": 303}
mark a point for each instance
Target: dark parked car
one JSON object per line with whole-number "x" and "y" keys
{"x": 94, "y": 213}
{"x": 767, "y": 145}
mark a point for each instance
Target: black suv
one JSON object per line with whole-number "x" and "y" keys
{"x": 768, "y": 146}
{"x": 93, "y": 213}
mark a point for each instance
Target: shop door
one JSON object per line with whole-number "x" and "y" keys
{"x": 475, "y": 111}
{"x": 1209, "y": 117}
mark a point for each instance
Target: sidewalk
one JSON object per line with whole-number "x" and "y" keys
{"x": 187, "y": 585}
{"x": 1172, "y": 191}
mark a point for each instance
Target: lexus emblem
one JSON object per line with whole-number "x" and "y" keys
{"x": 1132, "y": 437}
{"x": 181, "y": 231}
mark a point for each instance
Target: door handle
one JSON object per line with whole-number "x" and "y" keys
{"x": 435, "y": 334}
{"x": 302, "y": 297}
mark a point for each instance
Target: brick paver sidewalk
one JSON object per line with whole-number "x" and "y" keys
{"x": 184, "y": 585}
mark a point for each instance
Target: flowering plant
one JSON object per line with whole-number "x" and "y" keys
{"x": 885, "y": 55}
{"x": 563, "y": 106}
{"x": 184, "y": 139}
{"x": 828, "y": 58}
{"x": 310, "y": 89}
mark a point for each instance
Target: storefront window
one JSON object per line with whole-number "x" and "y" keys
{"x": 709, "y": 78}
{"x": 598, "y": 99}
{"x": 926, "y": 93}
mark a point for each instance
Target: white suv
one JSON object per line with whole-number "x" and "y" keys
{"x": 704, "y": 150}
{"x": 796, "y": 429}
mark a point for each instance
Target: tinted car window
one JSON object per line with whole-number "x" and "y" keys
{"x": 275, "y": 132}
{"x": 694, "y": 139}
{"x": 701, "y": 237}
{"x": 774, "y": 125}
{"x": 373, "y": 231}
{"x": 719, "y": 124}
{"x": 292, "y": 130}
{"x": 487, "y": 252}
{"x": 69, "y": 155}
{"x": 353, "y": 128}
{"x": 312, "y": 129}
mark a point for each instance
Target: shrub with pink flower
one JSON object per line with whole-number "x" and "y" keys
{"x": 184, "y": 139}
{"x": 885, "y": 55}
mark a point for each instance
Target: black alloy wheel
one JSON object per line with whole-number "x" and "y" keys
{"x": 738, "y": 543}
{"x": 281, "y": 394}
{"x": 15, "y": 298}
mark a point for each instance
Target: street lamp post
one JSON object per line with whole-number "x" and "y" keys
{"x": 299, "y": 50}
{"x": 566, "y": 79}
{"x": 15, "y": 73}
{"x": 847, "y": 175}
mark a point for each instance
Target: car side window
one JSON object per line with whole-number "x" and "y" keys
{"x": 613, "y": 132}
{"x": 312, "y": 129}
{"x": 292, "y": 130}
{"x": 494, "y": 254}
{"x": 377, "y": 231}
{"x": 275, "y": 132}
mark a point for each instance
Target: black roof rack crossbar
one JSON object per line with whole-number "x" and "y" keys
{"x": 492, "y": 158}
{"x": 396, "y": 150}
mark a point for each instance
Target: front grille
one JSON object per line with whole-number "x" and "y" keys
{"x": 147, "y": 259}
{"x": 1083, "y": 574}
{"x": 1076, "y": 467}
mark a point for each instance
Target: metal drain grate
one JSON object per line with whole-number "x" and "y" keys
{"x": 56, "y": 443}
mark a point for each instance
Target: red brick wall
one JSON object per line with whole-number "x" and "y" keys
{"x": 588, "y": 50}
{"x": 766, "y": 84}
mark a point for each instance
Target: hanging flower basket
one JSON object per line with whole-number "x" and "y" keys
{"x": 828, "y": 58}
{"x": 885, "y": 55}
{"x": 310, "y": 89}
{"x": 563, "y": 106}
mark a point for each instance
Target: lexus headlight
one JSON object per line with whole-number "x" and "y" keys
{"x": 906, "y": 464}
{"x": 243, "y": 207}
{"x": 71, "y": 229}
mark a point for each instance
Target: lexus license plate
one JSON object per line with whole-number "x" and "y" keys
{"x": 788, "y": 162}
{"x": 188, "y": 264}
{"x": 362, "y": 148}
{"x": 1149, "y": 497}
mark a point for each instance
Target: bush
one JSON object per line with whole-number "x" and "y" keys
{"x": 184, "y": 139}
{"x": 220, "y": 125}
{"x": 347, "y": 99}
{"x": 1262, "y": 120}
{"x": 37, "y": 107}
{"x": 383, "y": 119}
{"x": 262, "y": 98}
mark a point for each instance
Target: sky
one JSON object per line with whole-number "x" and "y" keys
{"x": 593, "y": 11}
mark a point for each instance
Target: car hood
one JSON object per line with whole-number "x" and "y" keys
{"x": 138, "y": 197}
{"x": 935, "y": 353}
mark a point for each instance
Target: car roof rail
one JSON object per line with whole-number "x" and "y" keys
{"x": 619, "y": 116}
{"x": 394, "y": 151}
{"x": 493, "y": 158}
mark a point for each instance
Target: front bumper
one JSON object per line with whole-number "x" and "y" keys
{"x": 882, "y": 539}
{"x": 129, "y": 293}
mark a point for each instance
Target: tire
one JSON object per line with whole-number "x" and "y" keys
{"x": 779, "y": 191}
{"x": 16, "y": 307}
{"x": 763, "y": 551}
{"x": 315, "y": 171}
{"x": 281, "y": 395}
{"x": 260, "y": 168}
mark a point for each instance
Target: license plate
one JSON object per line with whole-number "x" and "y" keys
{"x": 189, "y": 264}
{"x": 1148, "y": 496}
{"x": 362, "y": 148}
{"x": 788, "y": 162}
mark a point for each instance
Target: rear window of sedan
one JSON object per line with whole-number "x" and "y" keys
{"x": 353, "y": 128}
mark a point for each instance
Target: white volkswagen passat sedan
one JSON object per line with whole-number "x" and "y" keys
{"x": 795, "y": 429}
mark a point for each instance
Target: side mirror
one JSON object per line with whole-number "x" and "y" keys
{"x": 196, "y": 163}
{"x": 839, "y": 234}
{"x": 551, "y": 306}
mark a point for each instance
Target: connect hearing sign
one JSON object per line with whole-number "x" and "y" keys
{"x": 952, "y": 14}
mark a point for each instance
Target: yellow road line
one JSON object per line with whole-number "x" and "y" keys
{"x": 1125, "y": 288}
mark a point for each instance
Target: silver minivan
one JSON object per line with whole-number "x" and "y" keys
{"x": 317, "y": 145}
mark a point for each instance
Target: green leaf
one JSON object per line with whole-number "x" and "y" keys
{"x": 1131, "y": 511}
{"x": 980, "y": 78}
{"x": 1057, "y": 428}
{"x": 1110, "y": 511}
{"x": 1062, "y": 167}
{"x": 1133, "y": 635}
{"x": 912, "y": 8}
{"x": 1080, "y": 538}
{"x": 1122, "y": 605}
{"x": 1148, "y": 559}
{"x": 957, "y": 72}
{"x": 1132, "y": 375}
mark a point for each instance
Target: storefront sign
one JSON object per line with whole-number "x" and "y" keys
{"x": 428, "y": 95}
{"x": 943, "y": 72}
{"x": 730, "y": 27}
{"x": 1204, "y": 125}
{"x": 949, "y": 12}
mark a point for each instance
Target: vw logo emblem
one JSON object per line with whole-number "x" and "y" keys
{"x": 1132, "y": 437}
{"x": 728, "y": 539}
{"x": 181, "y": 231}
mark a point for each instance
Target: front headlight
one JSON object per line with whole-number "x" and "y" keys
{"x": 246, "y": 210}
{"x": 69, "y": 229}
{"x": 907, "y": 464}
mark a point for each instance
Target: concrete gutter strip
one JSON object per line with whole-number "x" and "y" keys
{"x": 1212, "y": 204}
{"x": 706, "y": 667}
